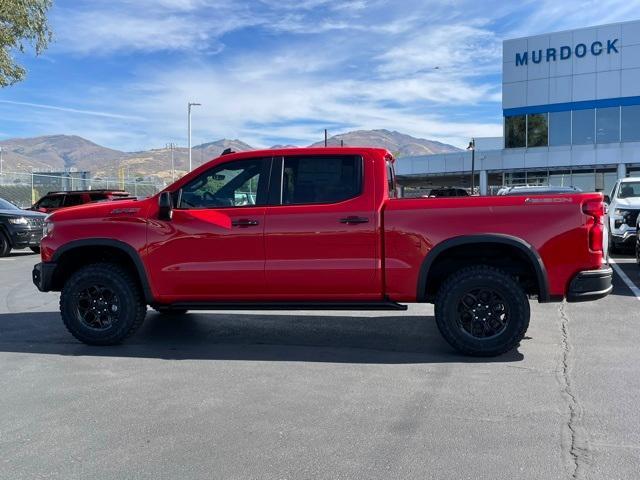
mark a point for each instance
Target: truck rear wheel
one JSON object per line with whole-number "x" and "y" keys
{"x": 101, "y": 304}
{"x": 482, "y": 311}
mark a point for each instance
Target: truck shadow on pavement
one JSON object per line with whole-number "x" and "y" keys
{"x": 260, "y": 337}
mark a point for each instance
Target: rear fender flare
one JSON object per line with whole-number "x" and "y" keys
{"x": 528, "y": 250}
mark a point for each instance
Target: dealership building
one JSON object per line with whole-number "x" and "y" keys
{"x": 571, "y": 116}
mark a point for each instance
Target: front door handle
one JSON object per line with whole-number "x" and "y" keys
{"x": 245, "y": 222}
{"x": 354, "y": 220}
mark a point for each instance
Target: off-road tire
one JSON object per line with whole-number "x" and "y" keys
{"x": 5, "y": 245}
{"x": 454, "y": 289}
{"x": 172, "y": 312}
{"x": 132, "y": 307}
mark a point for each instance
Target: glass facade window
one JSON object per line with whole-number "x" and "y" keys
{"x": 608, "y": 125}
{"x": 584, "y": 180}
{"x": 583, "y": 127}
{"x": 559, "y": 128}
{"x": 560, "y": 178}
{"x": 631, "y": 123}
{"x": 515, "y": 131}
{"x": 577, "y": 127}
{"x": 537, "y": 130}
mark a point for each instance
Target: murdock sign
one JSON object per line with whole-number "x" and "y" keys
{"x": 566, "y": 52}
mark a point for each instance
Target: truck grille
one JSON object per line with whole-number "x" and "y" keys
{"x": 36, "y": 222}
{"x": 631, "y": 217}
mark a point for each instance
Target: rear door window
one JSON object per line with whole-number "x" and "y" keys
{"x": 320, "y": 179}
{"x": 71, "y": 200}
{"x": 96, "y": 197}
{"x": 391, "y": 180}
{"x": 50, "y": 201}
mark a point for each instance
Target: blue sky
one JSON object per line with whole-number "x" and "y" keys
{"x": 120, "y": 72}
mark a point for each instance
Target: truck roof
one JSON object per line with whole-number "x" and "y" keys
{"x": 101, "y": 190}
{"x": 307, "y": 151}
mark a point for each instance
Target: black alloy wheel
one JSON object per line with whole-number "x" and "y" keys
{"x": 102, "y": 304}
{"x": 98, "y": 307}
{"x": 483, "y": 313}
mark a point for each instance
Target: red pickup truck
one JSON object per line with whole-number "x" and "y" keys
{"x": 322, "y": 229}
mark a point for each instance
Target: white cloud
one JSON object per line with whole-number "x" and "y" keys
{"x": 261, "y": 104}
{"x": 126, "y": 27}
{"x": 552, "y": 15}
{"x": 71, "y": 110}
{"x": 301, "y": 65}
{"x": 459, "y": 49}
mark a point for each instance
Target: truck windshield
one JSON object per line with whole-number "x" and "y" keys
{"x": 4, "y": 205}
{"x": 629, "y": 189}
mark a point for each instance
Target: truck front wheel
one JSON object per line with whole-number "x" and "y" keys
{"x": 482, "y": 311}
{"x": 101, "y": 304}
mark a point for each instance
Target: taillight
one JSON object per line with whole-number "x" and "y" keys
{"x": 596, "y": 235}
{"x": 596, "y": 210}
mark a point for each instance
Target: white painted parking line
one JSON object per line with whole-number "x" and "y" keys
{"x": 632, "y": 286}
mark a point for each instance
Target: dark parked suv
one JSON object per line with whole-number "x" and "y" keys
{"x": 19, "y": 228}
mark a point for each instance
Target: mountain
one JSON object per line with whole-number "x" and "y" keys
{"x": 55, "y": 152}
{"x": 158, "y": 161}
{"x": 282, "y": 147}
{"x": 59, "y": 152}
{"x": 400, "y": 144}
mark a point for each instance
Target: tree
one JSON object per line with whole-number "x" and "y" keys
{"x": 22, "y": 22}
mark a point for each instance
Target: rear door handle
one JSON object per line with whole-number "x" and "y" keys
{"x": 354, "y": 220}
{"x": 245, "y": 222}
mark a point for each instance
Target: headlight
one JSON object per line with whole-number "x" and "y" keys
{"x": 619, "y": 212}
{"x": 18, "y": 221}
{"x": 47, "y": 228}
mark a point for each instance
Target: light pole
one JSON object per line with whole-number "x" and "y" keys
{"x": 472, "y": 147}
{"x": 171, "y": 146}
{"x": 190, "y": 104}
{"x": 1, "y": 161}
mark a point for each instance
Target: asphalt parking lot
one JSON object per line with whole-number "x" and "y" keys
{"x": 342, "y": 395}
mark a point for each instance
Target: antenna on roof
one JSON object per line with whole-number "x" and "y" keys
{"x": 325, "y": 138}
{"x": 227, "y": 151}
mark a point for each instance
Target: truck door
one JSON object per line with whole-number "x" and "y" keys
{"x": 213, "y": 247}
{"x": 321, "y": 229}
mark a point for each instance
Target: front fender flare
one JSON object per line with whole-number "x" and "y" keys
{"x": 110, "y": 242}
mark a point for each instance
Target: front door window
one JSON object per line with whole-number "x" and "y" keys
{"x": 234, "y": 184}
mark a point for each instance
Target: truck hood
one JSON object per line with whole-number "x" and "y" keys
{"x": 133, "y": 207}
{"x": 631, "y": 202}
{"x": 21, "y": 213}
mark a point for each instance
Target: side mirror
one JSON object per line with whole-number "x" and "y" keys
{"x": 607, "y": 200}
{"x": 165, "y": 206}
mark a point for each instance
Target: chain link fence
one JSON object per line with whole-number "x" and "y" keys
{"x": 24, "y": 189}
